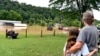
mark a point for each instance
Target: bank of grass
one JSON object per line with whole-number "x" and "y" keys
{"x": 33, "y": 45}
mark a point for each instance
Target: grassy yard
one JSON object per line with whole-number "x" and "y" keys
{"x": 32, "y": 45}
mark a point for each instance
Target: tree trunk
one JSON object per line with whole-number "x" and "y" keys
{"x": 80, "y": 12}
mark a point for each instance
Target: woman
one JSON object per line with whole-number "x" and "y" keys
{"x": 72, "y": 36}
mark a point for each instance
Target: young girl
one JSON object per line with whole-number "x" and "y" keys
{"x": 73, "y": 33}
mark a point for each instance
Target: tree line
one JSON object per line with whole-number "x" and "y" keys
{"x": 13, "y": 10}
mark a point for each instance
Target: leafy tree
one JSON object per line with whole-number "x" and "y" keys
{"x": 81, "y": 5}
{"x": 4, "y": 14}
{"x": 13, "y": 15}
{"x": 56, "y": 20}
{"x": 36, "y": 17}
{"x": 42, "y": 23}
{"x": 31, "y": 21}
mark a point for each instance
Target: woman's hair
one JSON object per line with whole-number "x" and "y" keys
{"x": 88, "y": 17}
{"x": 73, "y": 33}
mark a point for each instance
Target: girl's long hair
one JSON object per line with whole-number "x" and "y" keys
{"x": 73, "y": 33}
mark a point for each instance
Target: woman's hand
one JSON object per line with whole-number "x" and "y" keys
{"x": 89, "y": 54}
{"x": 93, "y": 52}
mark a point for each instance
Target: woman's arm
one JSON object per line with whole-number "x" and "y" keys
{"x": 77, "y": 46}
{"x": 92, "y": 52}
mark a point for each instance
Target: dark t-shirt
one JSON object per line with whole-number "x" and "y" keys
{"x": 89, "y": 35}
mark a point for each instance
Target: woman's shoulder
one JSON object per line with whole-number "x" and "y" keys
{"x": 84, "y": 29}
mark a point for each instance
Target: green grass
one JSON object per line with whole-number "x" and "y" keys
{"x": 32, "y": 45}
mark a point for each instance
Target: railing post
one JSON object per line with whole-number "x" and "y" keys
{"x": 26, "y": 33}
{"x": 54, "y": 32}
{"x": 41, "y": 33}
{"x": 6, "y": 33}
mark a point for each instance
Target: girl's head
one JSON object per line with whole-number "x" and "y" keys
{"x": 73, "y": 31}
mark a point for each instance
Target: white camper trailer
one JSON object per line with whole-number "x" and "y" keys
{"x": 12, "y": 24}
